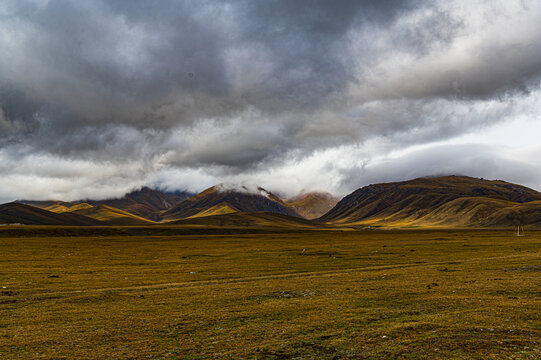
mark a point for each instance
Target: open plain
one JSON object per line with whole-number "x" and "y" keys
{"x": 142, "y": 293}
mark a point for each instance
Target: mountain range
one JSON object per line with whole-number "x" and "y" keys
{"x": 22, "y": 214}
{"x": 447, "y": 201}
{"x": 229, "y": 198}
{"x": 142, "y": 206}
{"x": 439, "y": 201}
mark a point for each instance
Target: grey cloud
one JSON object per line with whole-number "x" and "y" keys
{"x": 459, "y": 55}
{"x": 155, "y": 65}
{"x": 239, "y": 86}
{"x": 5, "y": 125}
{"x": 466, "y": 159}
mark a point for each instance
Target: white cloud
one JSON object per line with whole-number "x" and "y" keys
{"x": 97, "y": 98}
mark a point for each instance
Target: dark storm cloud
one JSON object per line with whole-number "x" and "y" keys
{"x": 240, "y": 85}
{"x": 161, "y": 65}
{"x": 306, "y": 40}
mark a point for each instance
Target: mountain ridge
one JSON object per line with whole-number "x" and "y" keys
{"x": 446, "y": 201}
{"x": 238, "y": 197}
{"x": 17, "y": 213}
{"x": 146, "y": 203}
{"x": 312, "y": 205}
{"x": 418, "y": 202}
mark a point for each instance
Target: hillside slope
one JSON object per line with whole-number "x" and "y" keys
{"x": 65, "y": 207}
{"x": 222, "y": 208}
{"x": 237, "y": 197}
{"x": 146, "y": 203}
{"x": 312, "y": 205}
{"x": 524, "y": 214}
{"x": 17, "y": 213}
{"x": 249, "y": 220}
{"x": 110, "y": 215}
{"x": 439, "y": 201}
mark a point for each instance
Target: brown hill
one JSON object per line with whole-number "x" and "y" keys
{"x": 62, "y": 208}
{"x": 237, "y": 197}
{"x": 441, "y": 201}
{"x": 312, "y": 205}
{"x": 222, "y": 208}
{"x": 249, "y": 220}
{"x": 519, "y": 214}
{"x": 17, "y": 213}
{"x": 110, "y": 215}
{"x": 146, "y": 203}
{"x": 43, "y": 204}
{"x": 57, "y": 208}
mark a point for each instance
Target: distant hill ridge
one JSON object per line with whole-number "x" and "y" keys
{"x": 259, "y": 220}
{"x": 17, "y": 213}
{"x": 238, "y": 197}
{"x": 110, "y": 215}
{"x": 438, "y": 201}
{"x": 146, "y": 203}
{"x": 446, "y": 201}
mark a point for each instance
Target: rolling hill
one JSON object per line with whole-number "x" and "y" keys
{"x": 145, "y": 203}
{"x": 219, "y": 209}
{"x": 65, "y": 207}
{"x": 235, "y": 197}
{"x": 519, "y": 214}
{"x": 438, "y": 201}
{"x": 249, "y": 220}
{"x": 312, "y": 205}
{"x": 17, "y": 213}
{"x": 448, "y": 201}
{"x": 109, "y": 215}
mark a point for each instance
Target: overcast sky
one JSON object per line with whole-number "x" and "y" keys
{"x": 100, "y": 97}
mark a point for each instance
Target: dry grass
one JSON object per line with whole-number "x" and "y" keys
{"x": 358, "y": 295}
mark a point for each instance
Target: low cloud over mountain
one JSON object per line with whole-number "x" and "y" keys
{"x": 98, "y": 98}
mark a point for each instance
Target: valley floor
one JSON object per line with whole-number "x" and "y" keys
{"x": 415, "y": 294}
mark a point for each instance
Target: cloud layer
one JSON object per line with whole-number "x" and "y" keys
{"x": 100, "y": 97}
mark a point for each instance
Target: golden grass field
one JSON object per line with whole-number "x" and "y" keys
{"x": 413, "y": 294}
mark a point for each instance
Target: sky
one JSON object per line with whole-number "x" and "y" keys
{"x": 101, "y": 97}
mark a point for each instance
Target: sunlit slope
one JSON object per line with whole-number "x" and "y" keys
{"x": 57, "y": 208}
{"x": 106, "y": 214}
{"x": 313, "y": 204}
{"x": 222, "y": 208}
{"x": 240, "y": 199}
{"x": 252, "y": 220}
{"x": 66, "y": 207}
{"x": 145, "y": 203}
{"x": 525, "y": 214}
{"x": 16, "y": 213}
{"x": 111, "y": 216}
{"x": 465, "y": 211}
{"x": 441, "y": 201}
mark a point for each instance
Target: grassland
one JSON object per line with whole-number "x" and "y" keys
{"x": 415, "y": 294}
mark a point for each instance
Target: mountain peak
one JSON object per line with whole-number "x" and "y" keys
{"x": 428, "y": 200}
{"x": 240, "y": 188}
{"x": 244, "y": 198}
{"x": 313, "y": 204}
